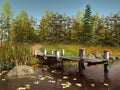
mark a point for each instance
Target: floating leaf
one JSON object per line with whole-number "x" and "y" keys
{"x": 0, "y": 74}
{"x": 65, "y": 77}
{"x": 53, "y": 71}
{"x": 59, "y": 80}
{"x": 39, "y": 75}
{"x": 3, "y": 79}
{"x": 33, "y": 77}
{"x": 36, "y": 82}
{"x": 51, "y": 81}
{"x": 106, "y": 84}
{"x": 92, "y": 85}
{"x": 69, "y": 83}
{"x": 42, "y": 78}
{"x": 79, "y": 84}
{"x": 21, "y": 88}
{"x": 27, "y": 86}
{"x": 74, "y": 79}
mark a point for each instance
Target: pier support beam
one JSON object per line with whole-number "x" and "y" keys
{"x": 63, "y": 52}
{"x": 81, "y": 61}
{"x": 106, "y": 57}
{"x": 52, "y": 52}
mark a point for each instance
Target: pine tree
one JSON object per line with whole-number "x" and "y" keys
{"x": 87, "y": 26}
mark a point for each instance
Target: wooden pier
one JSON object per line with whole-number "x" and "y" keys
{"x": 81, "y": 59}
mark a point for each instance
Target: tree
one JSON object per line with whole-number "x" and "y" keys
{"x": 22, "y": 30}
{"x": 7, "y": 15}
{"x": 87, "y": 26}
{"x": 54, "y": 27}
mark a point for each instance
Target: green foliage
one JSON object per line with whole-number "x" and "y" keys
{"x": 87, "y": 33}
{"x": 54, "y": 27}
{"x": 6, "y": 15}
{"x": 22, "y": 30}
{"x": 15, "y": 54}
{"x": 34, "y": 61}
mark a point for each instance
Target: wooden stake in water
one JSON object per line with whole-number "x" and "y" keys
{"x": 63, "y": 52}
{"x": 81, "y": 61}
{"x": 52, "y": 52}
{"x": 35, "y": 53}
{"x": 44, "y": 52}
{"x": 106, "y": 57}
{"x": 57, "y": 54}
{"x": 82, "y": 53}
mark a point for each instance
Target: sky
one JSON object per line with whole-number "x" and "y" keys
{"x": 36, "y": 8}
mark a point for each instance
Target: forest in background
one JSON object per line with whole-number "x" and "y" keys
{"x": 18, "y": 33}
{"x": 84, "y": 28}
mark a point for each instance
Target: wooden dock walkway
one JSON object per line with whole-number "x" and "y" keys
{"x": 81, "y": 59}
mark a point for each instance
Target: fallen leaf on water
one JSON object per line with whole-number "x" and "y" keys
{"x": 106, "y": 84}
{"x": 74, "y": 78}
{"x": 36, "y": 82}
{"x": 0, "y": 74}
{"x": 79, "y": 84}
{"x": 64, "y": 87}
{"x": 69, "y": 83}
{"x": 59, "y": 80}
{"x": 53, "y": 71}
{"x": 39, "y": 75}
{"x": 42, "y": 78}
{"x": 65, "y": 77}
{"x": 51, "y": 81}
{"x": 3, "y": 79}
{"x": 21, "y": 88}
{"x": 27, "y": 86}
{"x": 33, "y": 77}
{"x": 92, "y": 85}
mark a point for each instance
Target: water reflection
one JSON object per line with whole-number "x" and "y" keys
{"x": 52, "y": 79}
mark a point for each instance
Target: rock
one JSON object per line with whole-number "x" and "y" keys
{"x": 112, "y": 58}
{"x": 21, "y": 70}
{"x": 97, "y": 55}
{"x": 117, "y": 58}
{"x": 90, "y": 57}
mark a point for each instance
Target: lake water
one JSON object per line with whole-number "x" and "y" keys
{"x": 69, "y": 79}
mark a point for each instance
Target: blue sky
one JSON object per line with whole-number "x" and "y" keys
{"x": 36, "y": 8}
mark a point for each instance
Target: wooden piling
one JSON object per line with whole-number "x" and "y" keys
{"x": 58, "y": 58}
{"x": 63, "y": 52}
{"x": 106, "y": 57}
{"x": 52, "y": 52}
{"x": 35, "y": 53}
{"x": 44, "y": 52}
{"x": 57, "y": 54}
{"x": 81, "y": 61}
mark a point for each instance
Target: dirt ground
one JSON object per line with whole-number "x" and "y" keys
{"x": 36, "y": 48}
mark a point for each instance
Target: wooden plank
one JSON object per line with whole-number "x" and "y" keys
{"x": 75, "y": 58}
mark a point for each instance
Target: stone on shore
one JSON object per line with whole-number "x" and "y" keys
{"x": 21, "y": 70}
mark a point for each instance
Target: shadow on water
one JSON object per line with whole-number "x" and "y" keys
{"x": 52, "y": 79}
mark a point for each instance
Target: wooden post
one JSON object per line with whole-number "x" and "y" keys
{"x": 58, "y": 57}
{"x": 35, "y": 53}
{"x": 106, "y": 57}
{"x": 57, "y": 54}
{"x": 63, "y": 52}
{"x": 81, "y": 61}
{"x": 44, "y": 52}
{"x": 52, "y": 52}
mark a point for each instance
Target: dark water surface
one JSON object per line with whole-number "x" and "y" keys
{"x": 94, "y": 79}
